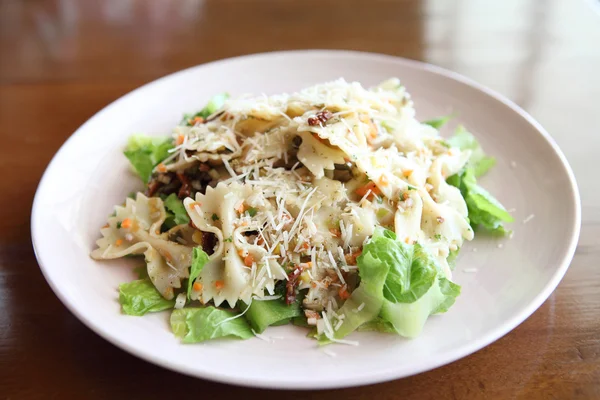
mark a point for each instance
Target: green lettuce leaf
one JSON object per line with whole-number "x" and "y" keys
{"x": 214, "y": 104}
{"x": 479, "y": 161}
{"x": 264, "y": 313}
{"x": 195, "y": 325}
{"x": 412, "y": 270}
{"x": 145, "y": 152}
{"x": 437, "y": 123}
{"x": 177, "y": 210}
{"x": 199, "y": 260}
{"x": 450, "y": 290}
{"x": 365, "y": 302}
{"x": 377, "y": 325}
{"x": 408, "y": 319}
{"x": 140, "y": 297}
{"x": 452, "y": 256}
{"x": 484, "y": 209}
{"x": 414, "y": 286}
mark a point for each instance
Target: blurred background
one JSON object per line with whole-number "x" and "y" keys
{"x": 63, "y": 60}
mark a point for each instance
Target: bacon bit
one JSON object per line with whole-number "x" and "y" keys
{"x": 407, "y": 173}
{"x": 343, "y": 292}
{"x": 335, "y": 232}
{"x": 320, "y": 118}
{"x": 305, "y": 246}
{"x": 351, "y": 258}
{"x": 440, "y": 219}
{"x": 404, "y": 196}
{"x": 180, "y": 139}
{"x": 152, "y": 188}
{"x": 118, "y": 242}
{"x": 383, "y": 180}
{"x": 185, "y": 189}
{"x": 363, "y": 190}
{"x": 161, "y": 167}
{"x": 126, "y": 223}
{"x": 197, "y": 286}
{"x": 248, "y": 260}
{"x": 204, "y": 167}
{"x": 260, "y": 240}
{"x": 219, "y": 284}
{"x": 241, "y": 208}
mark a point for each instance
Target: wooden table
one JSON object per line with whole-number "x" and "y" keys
{"x": 61, "y": 61}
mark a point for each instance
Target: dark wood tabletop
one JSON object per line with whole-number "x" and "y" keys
{"x": 61, "y": 61}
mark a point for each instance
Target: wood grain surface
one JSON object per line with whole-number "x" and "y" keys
{"x": 61, "y": 61}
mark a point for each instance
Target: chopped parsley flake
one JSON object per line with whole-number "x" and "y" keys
{"x": 251, "y": 211}
{"x": 215, "y": 217}
{"x": 119, "y": 225}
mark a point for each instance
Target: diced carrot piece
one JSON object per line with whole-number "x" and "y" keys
{"x": 248, "y": 260}
{"x": 161, "y": 167}
{"x": 363, "y": 190}
{"x": 126, "y": 223}
{"x": 343, "y": 293}
{"x": 180, "y": 139}
{"x": 197, "y": 286}
{"x": 407, "y": 172}
{"x": 351, "y": 258}
{"x": 383, "y": 180}
{"x": 118, "y": 242}
{"x": 335, "y": 232}
{"x": 241, "y": 208}
{"x": 219, "y": 284}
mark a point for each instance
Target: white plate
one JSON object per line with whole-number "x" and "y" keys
{"x": 89, "y": 175}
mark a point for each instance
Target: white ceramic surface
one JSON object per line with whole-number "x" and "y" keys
{"x": 89, "y": 175}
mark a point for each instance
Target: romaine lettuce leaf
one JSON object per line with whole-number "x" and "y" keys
{"x": 199, "y": 260}
{"x": 450, "y": 290}
{"x": 264, "y": 313}
{"x": 140, "y": 297}
{"x": 412, "y": 270}
{"x": 213, "y": 105}
{"x": 408, "y": 319}
{"x": 195, "y": 325}
{"x": 176, "y": 211}
{"x": 377, "y": 325}
{"x": 414, "y": 285}
{"x": 365, "y": 302}
{"x": 479, "y": 161}
{"x": 484, "y": 209}
{"x": 145, "y": 152}
{"x": 437, "y": 123}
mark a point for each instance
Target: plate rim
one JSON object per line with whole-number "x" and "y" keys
{"x": 383, "y": 376}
